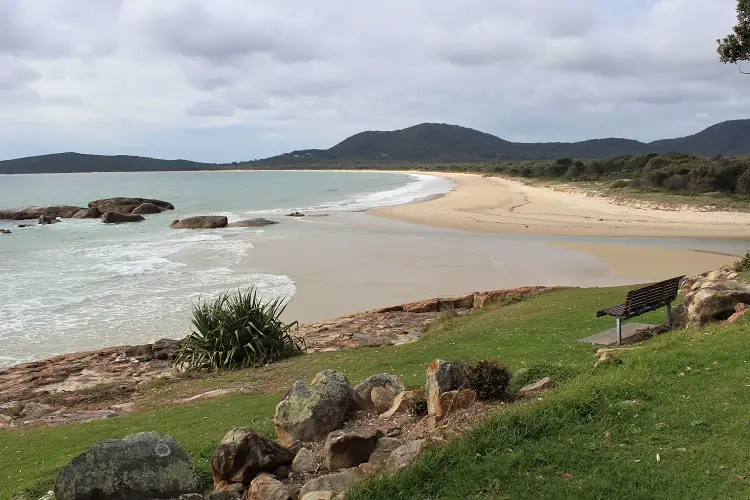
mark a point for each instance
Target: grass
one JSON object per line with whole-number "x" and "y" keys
{"x": 564, "y": 434}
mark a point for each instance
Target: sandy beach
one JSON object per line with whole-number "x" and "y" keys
{"x": 501, "y": 206}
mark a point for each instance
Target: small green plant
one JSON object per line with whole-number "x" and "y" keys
{"x": 418, "y": 404}
{"x": 743, "y": 264}
{"x": 238, "y": 331}
{"x": 489, "y": 378}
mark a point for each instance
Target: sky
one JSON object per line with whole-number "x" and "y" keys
{"x": 235, "y": 80}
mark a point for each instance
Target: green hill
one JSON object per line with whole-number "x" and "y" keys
{"x": 76, "y": 162}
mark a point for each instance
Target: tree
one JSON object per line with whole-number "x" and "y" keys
{"x": 735, "y": 47}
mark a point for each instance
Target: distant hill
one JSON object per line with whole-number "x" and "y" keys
{"x": 75, "y": 162}
{"x": 427, "y": 143}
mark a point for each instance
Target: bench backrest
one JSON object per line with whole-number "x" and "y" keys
{"x": 652, "y": 296}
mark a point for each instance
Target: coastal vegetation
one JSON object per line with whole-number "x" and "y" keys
{"x": 239, "y": 330}
{"x": 680, "y": 396}
{"x": 735, "y": 47}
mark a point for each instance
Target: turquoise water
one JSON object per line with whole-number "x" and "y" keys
{"x": 83, "y": 284}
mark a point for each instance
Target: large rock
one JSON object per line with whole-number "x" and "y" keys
{"x": 382, "y": 399}
{"x": 345, "y": 450}
{"x": 443, "y": 376}
{"x": 305, "y": 461}
{"x": 457, "y": 400}
{"x": 146, "y": 209}
{"x": 87, "y": 213}
{"x": 120, "y": 217}
{"x": 141, "y": 466}
{"x": 47, "y": 219}
{"x": 537, "y": 386}
{"x": 201, "y": 222}
{"x": 405, "y": 455}
{"x": 310, "y": 412}
{"x": 166, "y": 349}
{"x": 385, "y": 380}
{"x": 252, "y": 223}
{"x": 340, "y": 481}
{"x": 400, "y": 404}
{"x": 26, "y": 213}
{"x": 710, "y": 300}
{"x": 265, "y": 487}
{"x": 243, "y": 454}
{"x": 5, "y": 231}
{"x": 127, "y": 205}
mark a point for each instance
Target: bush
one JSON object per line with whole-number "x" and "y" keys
{"x": 674, "y": 183}
{"x": 489, "y": 378}
{"x": 238, "y": 331}
{"x": 743, "y": 264}
{"x": 620, "y": 184}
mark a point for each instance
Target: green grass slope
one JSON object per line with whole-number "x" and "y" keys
{"x": 524, "y": 452}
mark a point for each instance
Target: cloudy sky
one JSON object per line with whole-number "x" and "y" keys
{"x": 230, "y": 80}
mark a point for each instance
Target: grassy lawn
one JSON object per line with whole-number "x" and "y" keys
{"x": 703, "y": 411}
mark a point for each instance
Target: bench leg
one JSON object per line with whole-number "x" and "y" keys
{"x": 619, "y": 331}
{"x": 669, "y": 316}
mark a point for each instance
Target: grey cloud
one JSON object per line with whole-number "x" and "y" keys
{"x": 15, "y": 74}
{"x": 209, "y": 108}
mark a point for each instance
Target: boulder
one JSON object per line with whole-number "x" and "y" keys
{"x": 443, "y": 376}
{"x": 340, "y": 481}
{"x": 310, "y": 412}
{"x": 344, "y": 450}
{"x": 400, "y": 404}
{"x": 144, "y": 465}
{"x": 252, "y": 223}
{"x": 5, "y": 231}
{"x": 384, "y": 380}
{"x": 27, "y": 213}
{"x": 457, "y": 400}
{"x": 714, "y": 300}
{"x": 295, "y": 214}
{"x": 166, "y": 349}
{"x": 740, "y": 311}
{"x": 265, "y": 487}
{"x": 201, "y": 222}
{"x": 305, "y": 461}
{"x": 120, "y": 217}
{"x": 146, "y": 209}
{"x": 127, "y": 205}
{"x": 191, "y": 496}
{"x": 405, "y": 455}
{"x": 323, "y": 495}
{"x": 539, "y": 385}
{"x": 243, "y": 454}
{"x": 382, "y": 399}
{"x": 228, "y": 491}
{"x": 47, "y": 219}
{"x": 87, "y": 213}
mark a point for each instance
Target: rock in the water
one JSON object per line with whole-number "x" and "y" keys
{"x": 443, "y": 376}
{"x": 400, "y": 404}
{"x": 712, "y": 300}
{"x": 146, "y": 209}
{"x": 87, "y": 213}
{"x": 265, "y": 487}
{"x": 5, "y": 231}
{"x": 201, "y": 222}
{"x": 141, "y": 466}
{"x": 405, "y": 455}
{"x": 345, "y": 450}
{"x": 305, "y": 461}
{"x": 382, "y": 399}
{"x": 47, "y": 219}
{"x": 457, "y": 400}
{"x": 119, "y": 217}
{"x": 539, "y": 385}
{"x": 252, "y": 223}
{"x": 340, "y": 481}
{"x": 243, "y": 454}
{"x": 385, "y": 380}
{"x": 310, "y": 412}
{"x": 295, "y": 214}
{"x": 27, "y": 213}
{"x": 127, "y": 205}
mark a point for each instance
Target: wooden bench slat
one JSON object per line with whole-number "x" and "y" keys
{"x": 643, "y": 300}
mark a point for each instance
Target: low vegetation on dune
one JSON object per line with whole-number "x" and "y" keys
{"x": 664, "y": 420}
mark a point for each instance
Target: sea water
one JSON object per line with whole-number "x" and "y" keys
{"x": 82, "y": 284}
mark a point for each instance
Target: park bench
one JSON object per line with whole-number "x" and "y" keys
{"x": 643, "y": 300}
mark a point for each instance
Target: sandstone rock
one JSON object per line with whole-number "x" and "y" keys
{"x": 382, "y": 399}
{"x": 252, "y": 223}
{"x": 400, "y": 404}
{"x": 139, "y": 466}
{"x": 146, "y": 209}
{"x": 87, "y": 213}
{"x": 47, "y": 219}
{"x": 340, "y": 481}
{"x": 243, "y": 454}
{"x": 740, "y": 311}
{"x": 295, "y": 214}
{"x": 383, "y": 380}
{"x": 345, "y": 450}
{"x": 264, "y": 487}
{"x": 127, "y": 205}
{"x": 457, "y": 400}
{"x": 715, "y": 301}
{"x": 305, "y": 461}
{"x": 225, "y": 489}
{"x": 310, "y": 412}
{"x": 539, "y": 385}
{"x": 443, "y": 376}
{"x": 201, "y": 222}
{"x": 120, "y": 217}
{"x": 405, "y": 455}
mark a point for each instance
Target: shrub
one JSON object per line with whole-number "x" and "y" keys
{"x": 620, "y": 184}
{"x": 674, "y": 183}
{"x": 238, "y": 331}
{"x": 743, "y": 264}
{"x": 489, "y": 378}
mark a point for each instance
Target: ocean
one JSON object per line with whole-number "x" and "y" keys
{"x": 81, "y": 284}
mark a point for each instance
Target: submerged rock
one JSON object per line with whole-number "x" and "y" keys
{"x": 201, "y": 222}
{"x": 252, "y": 223}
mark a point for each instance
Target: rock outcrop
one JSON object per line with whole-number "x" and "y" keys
{"x": 5, "y": 231}
{"x": 711, "y": 297}
{"x": 120, "y": 217}
{"x": 252, "y": 223}
{"x": 47, "y": 219}
{"x": 310, "y": 412}
{"x": 443, "y": 376}
{"x": 387, "y": 381}
{"x": 201, "y": 222}
{"x": 127, "y": 205}
{"x": 87, "y": 213}
{"x": 345, "y": 449}
{"x": 28, "y": 213}
{"x": 243, "y": 454}
{"x": 139, "y": 466}
{"x": 146, "y": 209}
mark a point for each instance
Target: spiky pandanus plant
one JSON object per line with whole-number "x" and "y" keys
{"x": 239, "y": 330}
